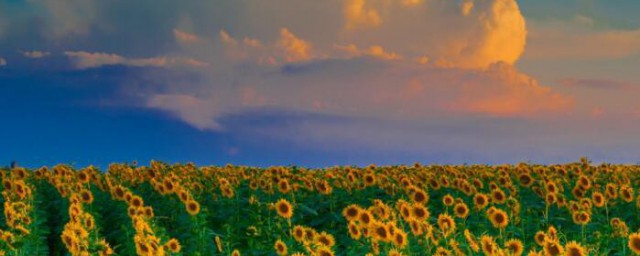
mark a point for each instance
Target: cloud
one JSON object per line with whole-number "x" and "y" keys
{"x": 366, "y": 67}
{"x": 376, "y": 51}
{"x": 196, "y": 112}
{"x": 294, "y": 49}
{"x": 598, "y": 84}
{"x": 185, "y": 37}
{"x": 487, "y": 31}
{"x": 286, "y": 49}
{"x": 85, "y": 60}
{"x": 358, "y": 15}
{"x": 35, "y": 54}
{"x": 580, "y": 39}
{"x": 466, "y": 6}
{"x": 3, "y": 62}
{"x": 368, "y": 88}
{"x": 66, "y": 17}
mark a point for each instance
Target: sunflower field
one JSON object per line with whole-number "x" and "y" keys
{"x": 182, "y": 209}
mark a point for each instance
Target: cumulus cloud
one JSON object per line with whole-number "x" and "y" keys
{"x": 486, "y": 31}
{"x": 35, "y": 54}
{"x": 358, "y": 14}
{"x": 371, "y": 88}
{"x": 294, "y": 49}
{"x": 287, "y": 48}
{"x": 368, "y": 67}
{"x": 85, "y": 60}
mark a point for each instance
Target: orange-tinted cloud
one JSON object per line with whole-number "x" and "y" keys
{"x": 357, "y": 14}
{"x": 376, "y": 51}
{"x": 510, "y": 94}
{"x": 293, "y": 48}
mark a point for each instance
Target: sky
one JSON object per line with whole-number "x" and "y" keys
{"x": 319, "y": 83}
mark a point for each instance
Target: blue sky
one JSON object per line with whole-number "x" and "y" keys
{"x": 319, "y": 83}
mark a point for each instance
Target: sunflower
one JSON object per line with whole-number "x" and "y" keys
{"x": 183, "y": 195}
{"x": 281, "y": 247}
{"x": 488, "y": 245}
{"x": 581, "y": 217}
{"x": 365, "y": 217}
{"x": 235, "y": 252}
{"x": 550, "y": 198}
{"x": 552, "y": 247}
{"x": 400, "y": 239}
{"x": 515, "y": 247}
{"x": 323, "y": 187}
{"x": 395, "y": 252}
{"x": 351, "y": 212}
{"x": 634, "y": 242}
{"x": 626, "y": 193}
{"x": 173, "y": 245}
{"x": 83, "y": 177}
{"x": 169, "y": 186}
{"x": 380, "y": 231}
{"x": 405, "y": 210}
{"x": 324, "y": 251}
{"x": 574, "y": 249}
{"x": 578, "y": 192}
{"x": 551, "y": 187}
{"x": 446, "y": 224}
{"x": 598, "y": 199}
{"x": 441, "y": 251}
{"x": 298, "y": 233}
{"x": 369, "y": 179}
{"x": 498, "y": 196}
{"x": 471, "y": 240}
{"x": 419, "y": 212}
{"x": 611, "y": 191}
{"x": 193, "y": 207}
{"x": 552, "y": 233}
{"x": 499, "y": 218}
{"x": 325, "y": 239}
{"x": 420, "y": 196}
{"x": 480, "y": 201}
{"x": 283, "y": 186}
{"x": 584, "y": 181}
{"x": 448, "y": 200}
{"x": 416, "y": 227}
{"x": 284, "y": 209}
{"x": 354, "y": 231}
{"x": 136, "y": 202}
{"x": 461, "y": 210}
{"x": 525, "y": 179}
